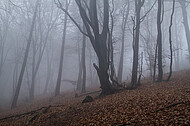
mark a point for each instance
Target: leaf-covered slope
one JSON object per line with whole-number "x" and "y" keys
{"x": 152, "y": 103}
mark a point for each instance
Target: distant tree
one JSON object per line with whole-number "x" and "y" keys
{"x": 136, "y": 31}
{"x": 185, "y": 22}
{"x": 50, "y": 24}
{"x": 39, "y": 44}
{"x": 140, "y": 69}
{"x": 15, "y": 98}
{"x": 58, "y": 85}
{"x": 79, "y": 79}
{"x": 5, "y": 22}
{"x": 125, "y": 14}
{"x": 148, "y": 39}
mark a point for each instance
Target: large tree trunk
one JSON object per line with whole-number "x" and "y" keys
{"x": 15, "y": 98}
{"x": 102, "y": 71}
{"x": 98, "y": 39}
{"x": 99, "y": 42}
{"x": 159, "y": 41}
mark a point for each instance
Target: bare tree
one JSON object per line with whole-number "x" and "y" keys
{"x": 15, "y": 98}
{"x": 185, "y": 22}
{"x": 170, "y": 41}
{"x": 98, "y": 39}
{"x": 159, "y": 40}
{"x": 5, "y": 22}
{"x": 58, "y": 85}
{"x": 136, "y": 29}
{"x": 125, "y": 14}
{"x": 39, "y": 48}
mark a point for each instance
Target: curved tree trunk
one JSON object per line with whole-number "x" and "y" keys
{"x": 98, "y": 39}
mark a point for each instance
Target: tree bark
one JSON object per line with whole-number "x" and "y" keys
{"x": 98, "y": 39}
{"x": 84, "y": 64}
{"x": 159, "y": 41}
{"x": 79, "y": 80}
{"x": 138, "y": 5}
{"x": 155, "y": 63}
{"x": 170, "y": 41}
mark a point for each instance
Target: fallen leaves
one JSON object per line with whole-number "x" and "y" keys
{"x": 165, "y": 103}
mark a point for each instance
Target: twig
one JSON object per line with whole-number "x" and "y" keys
{"x": 34, "y": 117}
{"x": 31, "y": 112}
{"x": 172, "y": 105}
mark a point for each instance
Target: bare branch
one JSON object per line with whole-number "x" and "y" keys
{"x": 142, "y": 18}
{"x": 60, "y": 6}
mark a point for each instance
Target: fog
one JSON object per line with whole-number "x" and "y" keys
{"x": 16, "y": 19}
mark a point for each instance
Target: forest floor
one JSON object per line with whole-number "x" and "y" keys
{"x": 165, "y": 103}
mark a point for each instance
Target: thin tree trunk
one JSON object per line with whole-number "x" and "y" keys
{"x": 159, "y": 41}
{"x": 170, "y": 41}
{"x": 15, "y": 98}
{"x": 57, "y": 90}
{"x": 35, "y": 66}
{"x": 83, "y": 64}
{"x": 48, "y": 72}
{"x": 90, "y": 65}
{"x": 79, "y": 80}
{"x": 140, "y": 70}
{"x": 120, "y": 69}
{"x": 123, "y": 27}
{"x": 138, "y": 5}
{"x": 155, "y": 63}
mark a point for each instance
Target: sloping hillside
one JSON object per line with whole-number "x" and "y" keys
{"x": 152, "y": 103}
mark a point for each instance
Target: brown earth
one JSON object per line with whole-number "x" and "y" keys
{"x": 166, "y": 103}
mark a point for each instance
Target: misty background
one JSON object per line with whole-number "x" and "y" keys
{"x": 15, "y": 22}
